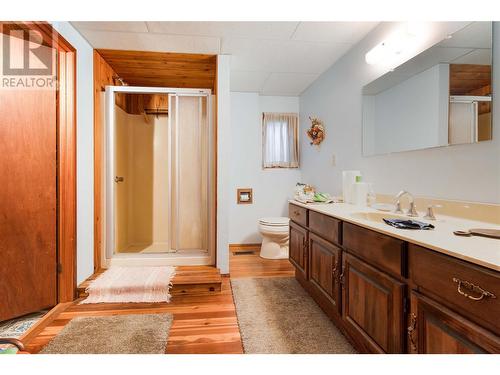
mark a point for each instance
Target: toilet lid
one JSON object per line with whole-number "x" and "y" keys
{"x": 274, "y": 221}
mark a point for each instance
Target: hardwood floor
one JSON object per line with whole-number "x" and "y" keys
{"x": 252, "y": 265}
{"x": 203, "y": 323}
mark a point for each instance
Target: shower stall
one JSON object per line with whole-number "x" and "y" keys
{"x": 159, "y": 176}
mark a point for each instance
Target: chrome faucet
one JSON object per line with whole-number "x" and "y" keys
{"x": 412, "y": 211}
{"x": 430, "y": 211}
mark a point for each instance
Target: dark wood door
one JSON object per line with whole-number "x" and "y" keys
{"x": 435, "y": 329}
{"x": 298, "y": 248}
{"x": 28, "y": 168}
{"x": 325, "y": 267}
{"x": 372, "y": 306}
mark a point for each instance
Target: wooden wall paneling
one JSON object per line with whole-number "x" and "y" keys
{"x": 470, "y": 79}
{"x": 137, "y": 104}
{"x": 103, "y": 76}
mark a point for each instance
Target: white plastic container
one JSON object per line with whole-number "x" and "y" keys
{"x": 360, "y": 194}
{"x": 348, "y": 180}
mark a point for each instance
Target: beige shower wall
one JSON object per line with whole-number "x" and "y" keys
{"x": 161, "y": 226}
{"x": 142, "y": 210}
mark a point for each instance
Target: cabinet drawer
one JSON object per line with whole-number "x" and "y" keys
{"x": 470, "y": 290}
{"x": 384, "y": 252}
{"x": 298, "y": 214}
{"x": 325, "y": 226}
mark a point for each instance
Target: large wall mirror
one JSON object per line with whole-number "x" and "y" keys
{"x": 440, "y": 97}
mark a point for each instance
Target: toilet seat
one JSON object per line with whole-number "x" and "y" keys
{"x": 274, "y": 221}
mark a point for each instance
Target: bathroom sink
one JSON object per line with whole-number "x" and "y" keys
{"x": 378, "y": 216}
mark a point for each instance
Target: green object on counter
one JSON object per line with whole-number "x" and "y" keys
{"x": 322, "y": 197}
{"x": 358, "y": 178}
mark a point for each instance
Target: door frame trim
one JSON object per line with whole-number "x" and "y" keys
{"x": 66, "y": 162}
{"x": 67, "y": 199}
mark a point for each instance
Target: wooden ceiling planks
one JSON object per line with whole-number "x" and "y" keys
{"x": 470, "y": 79}
{"x": 163, "y": 69}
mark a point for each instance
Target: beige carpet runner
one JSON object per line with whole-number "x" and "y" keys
{"x": 131, "y": 284}
{"x": 276, "y": 315}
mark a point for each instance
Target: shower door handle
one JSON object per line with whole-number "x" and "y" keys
{"x": 119, "y": 179}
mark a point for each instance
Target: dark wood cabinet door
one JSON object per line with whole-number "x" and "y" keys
{"x": 298, "y": 248}
{"x": 325, "y": 267}
{"x": 372, "y": 307}
{"x": 435, "y": 329}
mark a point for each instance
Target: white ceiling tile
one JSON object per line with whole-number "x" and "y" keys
{"x": 291, "y": 84}
{"x": 267, "y": 57}
{"x": 270, "y": 30}
{"x": 136, "y": 27}
{"x": 333, "y": 32}
{"x": 281, "y": 56}
{"x": 248, "y": 81}
{"x": 151, "y": 42}
{"x": 474, "y": 35}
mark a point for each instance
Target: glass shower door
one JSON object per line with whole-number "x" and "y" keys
{"x": 189, "y": 171}
{"x": 160, "y": 178}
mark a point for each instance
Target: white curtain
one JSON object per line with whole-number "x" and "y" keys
{"x": 280, "y": 132}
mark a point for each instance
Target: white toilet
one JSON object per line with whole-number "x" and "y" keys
{"x": 274, "y": 231}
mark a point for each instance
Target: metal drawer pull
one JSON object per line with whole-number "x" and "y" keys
{"x": 411, "y": 331}
{"x": 296, "y": 213}
{"x": 473, "y": 288}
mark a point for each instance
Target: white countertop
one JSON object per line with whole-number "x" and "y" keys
{"x": 479, "y": 250}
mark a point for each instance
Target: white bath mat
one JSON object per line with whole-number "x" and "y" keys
{"x": 131, "y": 284}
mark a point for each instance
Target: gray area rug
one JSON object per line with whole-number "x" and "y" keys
{"x": 118, "y": 334}
{"x": 276, "y": 315}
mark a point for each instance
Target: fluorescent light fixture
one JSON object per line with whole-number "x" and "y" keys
{"x": 389, "y": 50}
{"x": 377, "y": 54}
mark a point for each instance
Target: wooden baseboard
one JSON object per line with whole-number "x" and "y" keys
{"x": 244, "y": 248}
{"x": 39, "y": 326}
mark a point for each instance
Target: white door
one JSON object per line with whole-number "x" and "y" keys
{"x": 462, "y": 123}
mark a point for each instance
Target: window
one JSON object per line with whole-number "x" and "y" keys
{"x": 280, "y": 146}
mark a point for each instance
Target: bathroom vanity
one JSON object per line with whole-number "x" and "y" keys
{"x": 398, "y": 291}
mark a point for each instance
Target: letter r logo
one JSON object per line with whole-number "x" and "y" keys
{"x": 24, "y": 52}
